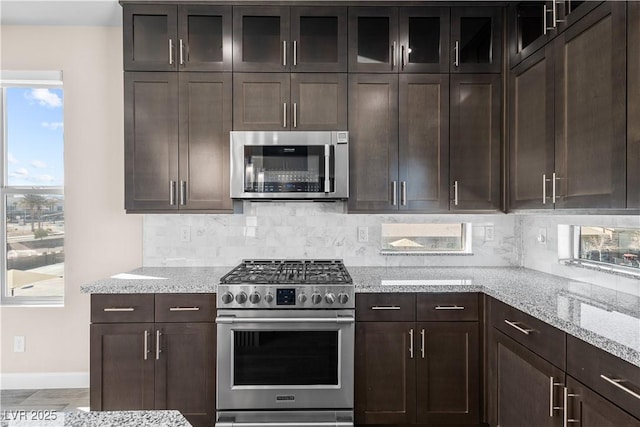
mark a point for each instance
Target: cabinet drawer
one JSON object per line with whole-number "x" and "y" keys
{"x": 447, "y": 306}
{"x": 536, "y": 335}
{"x": 599, "y": 370}
{"x": 386, "y": 307}
{"x": 185, "y": 307}
{"x": 121, "y": 308}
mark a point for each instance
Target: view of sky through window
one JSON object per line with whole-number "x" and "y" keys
{"x": 34, "y": 137}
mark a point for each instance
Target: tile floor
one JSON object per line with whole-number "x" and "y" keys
{"x": 65, "y": 399}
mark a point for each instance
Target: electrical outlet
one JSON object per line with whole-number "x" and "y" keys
{"x": 542, "y": 236}
{"x": 363, "y": 234}
{"x": 488, "y": 233}
{"x": 185, "y": 233}
{"x": 18, "y": 344}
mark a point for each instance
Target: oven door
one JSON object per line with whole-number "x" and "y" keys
{"x": 285, "y": 359}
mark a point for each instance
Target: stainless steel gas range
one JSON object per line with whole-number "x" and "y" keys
{"x": 285, "y": 345}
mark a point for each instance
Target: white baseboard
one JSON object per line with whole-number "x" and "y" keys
{"x": 42, "y": 380}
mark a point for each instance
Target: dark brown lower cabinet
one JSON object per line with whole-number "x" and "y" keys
{"x": 523, "y": 388}
{"x": 385, "y": 374}
{"x": 122, "y": 372}
{"x": 586, "y": 408}
{"x": 185, "y": 376}
{"x": 425, "y": 373}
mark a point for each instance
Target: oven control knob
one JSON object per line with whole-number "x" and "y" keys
{"x": 254, "y": 298}
{"x": 227, "y": 297}
{"x": 330, "y": 297}
{"x": 302, "y": 298}
{"x": 268, "y": 297}
{"x": 316, "y": 298}
{"x": 241, "y": 298}
{"x": 343, "y": 298}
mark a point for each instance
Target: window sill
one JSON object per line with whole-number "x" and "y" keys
{"x": 605, "y": 268}
{"x": 388, "y": 252}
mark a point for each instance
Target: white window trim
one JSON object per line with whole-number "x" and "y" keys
{"x": 11, "y": 78}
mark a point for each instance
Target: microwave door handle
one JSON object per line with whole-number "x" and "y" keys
{"x": 327, "y": 159}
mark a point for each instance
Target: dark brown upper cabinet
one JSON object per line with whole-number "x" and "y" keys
{"x": 399, "y": 133}
{"x": 282, "y": 38}
{"x": 475, "y": 125}
{"x": 405, "y": 39}
{"x": 567, "y": 118}
{"x": 177, "y": 38}
{"x": 590, "y": 111}
{"x": 633, "y": 106}
{"x": 534, "y": 23}
{"x": 531, "y": 133}
{"x": 296, "y": 101}
{"x": 476, "y": 42}
{"x": 176, "y": 141}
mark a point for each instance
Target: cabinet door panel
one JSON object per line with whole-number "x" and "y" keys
{"x": 373, "y": 140}
{"x": 121, "y": 377}
{"x": 205, "y": 38}
{"x": 373, "y": 39}
{"x": 424, "y": 142}
{"x": 320, "y": 36}
{"x": 475, "y": 141}
{"x": 476, "y": 30}
{"x": 424, "y": 39}
{"x": 527, "y": 33}
{"x": 590, "y": 111}
{"x": 592, "y": 410}
{"x": 319, "y": 101}
{"x": 633, "y": 107}
{"x": 151, "y": 140}
{"x": 205, "y": 123}
{"x": 185, "y": 370}
{"x": 448, "y": 373}
{"x": 520, "y": 385}
{"x": 531, "y": 132}
{"x": 150, "y": 37}
{"x": 385, "y": 378}
{"x": 259, "y": 35}
{"x": 261, "y": 101}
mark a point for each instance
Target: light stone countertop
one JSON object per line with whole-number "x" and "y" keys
{"x": 608, "y": 319}
{"x": 125, "y": 419}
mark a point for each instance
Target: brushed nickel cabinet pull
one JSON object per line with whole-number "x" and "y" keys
{"x": 455, "y": 193}
{"x": 158, "y": 351}
{"x": 295, "y": 53}
{"x": 403, "y": 193}
{"x": 517, "y": 327}
{"x": 385, "y": 307}
{"x": 544, "y": 19}
{"x": 565, "y": 402}
{"x": 411, "y": 343}
{"x": 422, "y": 343}
{"x": 172, "y": 193}
{"x": 393, "y": 55}
{"x": 146, "y": 344}
{"x": 181, "y": 52}
{"x": 284, "y": 114}
{"x": 118, "y": 309}
{"x": 295, "y": 114}
{"x": 402, "y": 57}
{"x": 184, "y": 308}
{"x": 170, "y": 52}
{"x": 449, "y": 307}
{"x": 394, "y": 193}
{"x": 284, "y": 53}
{"x": 616, "y": 382}
{"x": 456, "y": 51}
{"x": 183, "y": 193}
{"x": 552, "y": 385}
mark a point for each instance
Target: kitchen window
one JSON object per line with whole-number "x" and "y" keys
{"x": 611, "y": 249}
{"x": 425, "y": 239}
{"x": 32, "y": 188}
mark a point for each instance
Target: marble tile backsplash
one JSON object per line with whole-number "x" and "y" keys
{"x": 320, "y": 230}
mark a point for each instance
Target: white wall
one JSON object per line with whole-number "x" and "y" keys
{"x": 100, "y": 239}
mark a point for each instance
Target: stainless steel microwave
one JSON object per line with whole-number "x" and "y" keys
{"x": 290, "y": 165}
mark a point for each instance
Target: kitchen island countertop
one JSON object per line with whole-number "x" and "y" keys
{"x": 608, "y": 319}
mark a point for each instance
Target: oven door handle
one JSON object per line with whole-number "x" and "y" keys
{"x": 291, "y": 424}
{"x": 327, "y": 160}
{"x": 297, "y": 320}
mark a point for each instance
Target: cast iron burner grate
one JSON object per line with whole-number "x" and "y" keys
{"x": 298, "y": 272}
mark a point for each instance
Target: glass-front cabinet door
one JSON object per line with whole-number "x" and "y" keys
{"x": 475, "y": 40}
{"x": 260, "y": 37}
{"x": 318, "y": 39}
{"x": 424, "y": 40}
{"x": 204, "y": 38}
{"x": 150, "y": 37}
{"x": 373, "y": 39}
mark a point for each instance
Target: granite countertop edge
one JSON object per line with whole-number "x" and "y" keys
{"x": 530, "y": 291}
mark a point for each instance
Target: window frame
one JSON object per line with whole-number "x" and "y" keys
{"x": 25, "y": 79}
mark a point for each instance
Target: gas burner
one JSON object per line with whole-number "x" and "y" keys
{"x": 299, "y": 272}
